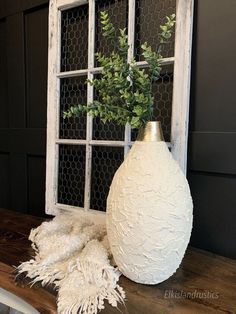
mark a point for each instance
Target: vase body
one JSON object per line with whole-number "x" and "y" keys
{"x": 149, "y": 213}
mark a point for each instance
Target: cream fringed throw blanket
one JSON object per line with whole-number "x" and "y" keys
{"x": 72, "y": 252}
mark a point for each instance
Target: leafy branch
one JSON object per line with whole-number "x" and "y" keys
{"x": 125, "y": 90}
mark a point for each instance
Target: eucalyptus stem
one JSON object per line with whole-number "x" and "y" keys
{"x": 125, "y": 90}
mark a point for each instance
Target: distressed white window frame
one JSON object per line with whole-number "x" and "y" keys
{"x": 180, "y": 102}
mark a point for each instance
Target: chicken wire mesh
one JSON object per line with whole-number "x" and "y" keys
{"x": 118, "y": 13}
{"x": 74, "y": 38}
{"x": 105, "y": 162}
{"x": 71, "y": 175}
{"x": 73, "y": 91}
{"x": 149, "y": 15}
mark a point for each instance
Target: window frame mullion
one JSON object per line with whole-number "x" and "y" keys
{"x": 131, "y": 33}
{"x": 181, "y": 85}
{"x": 90, "y": 96}
{"x": 53, "y": 95}
{"x": 98, "y": 70}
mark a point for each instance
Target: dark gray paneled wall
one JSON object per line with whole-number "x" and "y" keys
{"x": 23, "y": 101}
{"x": 212, "y": 137}
{"x": 212, "y": 140}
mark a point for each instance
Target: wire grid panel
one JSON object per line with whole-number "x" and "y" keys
{"x": 73, "y": 91}
{"x": 74, "y": 38}
{"x": 150, "y": 14}
{"x": 105, "y": 160}
{"x": 71, "y": 175}
{"x": 118, "y": 13}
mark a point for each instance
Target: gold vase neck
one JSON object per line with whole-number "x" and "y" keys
{"x": 151, "y": 132}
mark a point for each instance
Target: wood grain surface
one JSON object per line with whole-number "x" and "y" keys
{"x": 205, "y": 282}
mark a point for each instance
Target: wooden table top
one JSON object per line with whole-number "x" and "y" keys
{"x": 205, "y": 282}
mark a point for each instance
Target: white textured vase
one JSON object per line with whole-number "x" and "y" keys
{"x": 149, "y": 211}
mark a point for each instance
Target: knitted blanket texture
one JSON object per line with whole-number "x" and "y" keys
{"x": 72, "y": 252}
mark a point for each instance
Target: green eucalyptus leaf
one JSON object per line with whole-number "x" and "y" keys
{"x": 124, "y": 90}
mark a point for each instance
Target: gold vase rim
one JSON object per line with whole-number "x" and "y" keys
{"x": 151, "y": 132}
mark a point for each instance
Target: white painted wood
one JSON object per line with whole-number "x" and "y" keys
{"x": 91, "y": 142}
{"x": 181, "y": 91}
{"x": 97, "y": 70}
{"x": 67, "y": 4}
{"x": 70, "y": 142}
{"x": 16, "y": 303}
{"x": 72, "y": 73}
{"x": 97, "y": 142}
{"x": 107, "y": 143}
{"x": 53, "y": 105}
{"x": 164, "y": 61}
{"x": 63, "y": 207}
{"x": 131, "y": 33}
{"x": 89, "y": 130}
